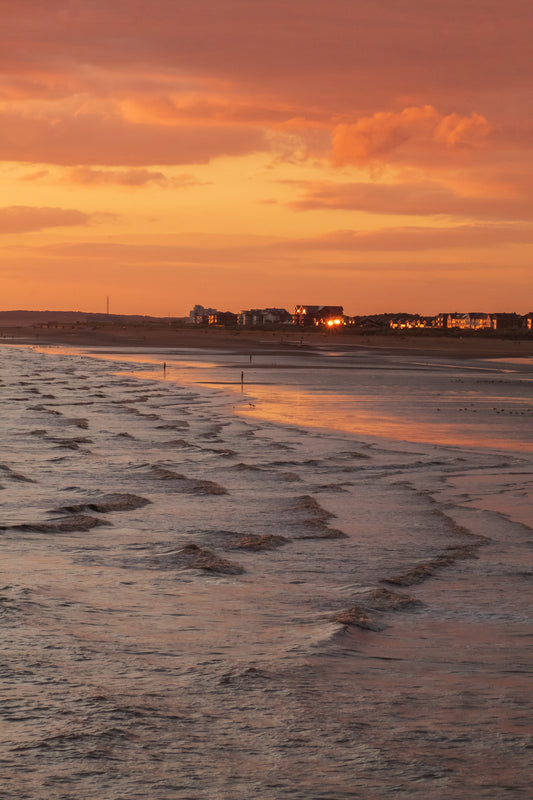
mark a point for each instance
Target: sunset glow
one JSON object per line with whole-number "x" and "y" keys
{"x": 374, "y": 155}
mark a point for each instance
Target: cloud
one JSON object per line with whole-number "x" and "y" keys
{"x": 83, "y": 73}
{"x": 415, "y": 238}
{"x": 225, "y": 250}
{"x": 387, "y": 136}
{"x": 24, "y": 219}
{"x": 88, "y": 176}
{"x": 89, "y": 139}
{"x": 420, "y": 198}
{"x": 36, "y": 175}
{"x": 341, "y": 54}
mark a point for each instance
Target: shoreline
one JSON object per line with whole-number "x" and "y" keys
{"x": 249, "y": 341}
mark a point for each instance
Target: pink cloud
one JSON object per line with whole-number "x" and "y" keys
{"x": 339, "y": 55}
{"x": 96, "y": 139}
{"x": 23, "y": 219}
{"x": 98, "y": 82}
{"x": 388, "y": 135}
{"x": 422, "y": 198}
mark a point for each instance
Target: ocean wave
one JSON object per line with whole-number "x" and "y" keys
{"x": 75, "y": 523}
{"x": 311, "y": 505}
{"x": 423, "y": 571}
{"x": 72, "y": 443}
{"x": 42, "y": 408}
{"x": 184, "y": 484}
{"x": 310, "y": 515}
{"x": 105, "y": 503}
{"x": 192, "y": 556}
{"x": 359, "y": 618}
{"x": 242, "y": 467}
{"x": 15, "y": 476}
{"x": 253, "y": 542}
{"x": 248, "y": 677}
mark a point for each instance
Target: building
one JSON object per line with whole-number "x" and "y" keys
{"x": 330, "y": 316}
{"x": 258, "y": 317}
{"x": 441, "y": 320}
{"x": 227, "y": 318}
{"x": 472, "y": 321}
{"x": 506, "y": 322}
{"x": 410, "y": 321}
{"x": 200, "y": 315}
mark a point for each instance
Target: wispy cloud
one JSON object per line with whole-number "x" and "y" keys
{"x": 421, "y": 198}
{"x": 23, "y": 219}
{"x": 88, "y": 139}
{"x": 417, "y": 238}
{"x": 89, "y": 176}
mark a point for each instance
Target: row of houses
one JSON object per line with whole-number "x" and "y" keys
{"x": 479, "y": 321}
{"x": 331, "y": 317}
{"x": 472, "y": 321}
{"x": 257, "y": 317}
{"x": 303, "y": 316}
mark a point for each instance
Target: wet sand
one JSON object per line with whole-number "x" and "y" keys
{"x": 249, "y": 341}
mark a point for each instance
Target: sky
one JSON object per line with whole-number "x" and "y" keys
{"x": 374, "y": 154}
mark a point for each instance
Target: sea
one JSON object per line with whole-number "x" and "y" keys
{"x": 291, "y": 574}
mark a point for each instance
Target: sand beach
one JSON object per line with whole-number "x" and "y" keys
{"x": 247, "y": 340}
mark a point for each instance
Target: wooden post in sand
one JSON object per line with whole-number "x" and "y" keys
{"x": 242, "y": 381}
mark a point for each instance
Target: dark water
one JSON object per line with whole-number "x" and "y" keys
{"x": 317, "y": 588}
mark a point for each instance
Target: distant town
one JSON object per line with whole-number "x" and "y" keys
{"x": 333, "y": 317}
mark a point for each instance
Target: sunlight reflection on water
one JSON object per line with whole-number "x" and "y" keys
{"x": 456, "y": 403}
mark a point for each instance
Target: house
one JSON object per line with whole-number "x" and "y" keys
{"x": 505, "y": 321}
{"x": 456, "y": 320}
{"x": 473, "y": 321}
{"x": 366, "y": 323}
{"x": 257, "y": 317}
{"x": 223, "y": 318}
{"x": 478, "y": 321}
{"x": 200, "y": 315}
{"x": 318, "y": 315}
{"x": 410, "y": 321}
{"x": 276, "y": 316}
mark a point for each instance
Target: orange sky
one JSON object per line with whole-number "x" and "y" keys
{"x": 376, "y": 154}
